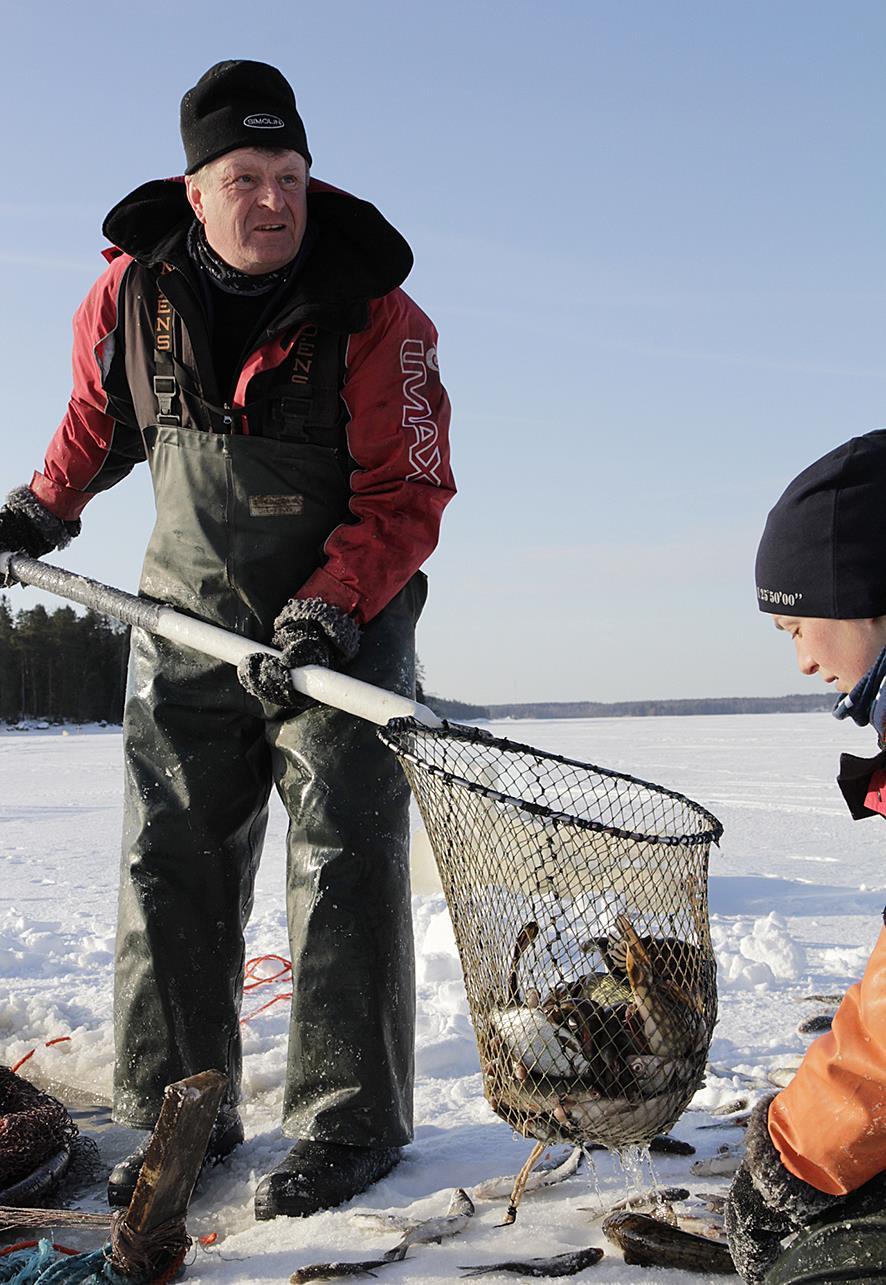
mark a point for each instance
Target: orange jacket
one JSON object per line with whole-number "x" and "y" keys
{"x": 829, "y": 1124}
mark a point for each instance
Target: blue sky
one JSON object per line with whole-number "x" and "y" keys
{"x": 651, "y": 236}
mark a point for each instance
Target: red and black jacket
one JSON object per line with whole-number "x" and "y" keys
{"x": 345, "y": 356}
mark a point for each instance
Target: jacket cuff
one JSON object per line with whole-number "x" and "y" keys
{"x": 322, "y": 585}
{"x": 61, "y": 501}
{"x": 779, "y": 1188}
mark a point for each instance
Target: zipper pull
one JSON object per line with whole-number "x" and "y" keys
{"x": 226, "y": 418}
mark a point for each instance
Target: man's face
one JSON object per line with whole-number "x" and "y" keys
{"x": 253, "y": 205}
{"x": 840, "y": 651}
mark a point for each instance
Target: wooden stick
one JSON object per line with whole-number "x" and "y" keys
{"x": 175, "y": 1152}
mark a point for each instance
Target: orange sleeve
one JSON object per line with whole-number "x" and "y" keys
{"x": 829, "y": 1124}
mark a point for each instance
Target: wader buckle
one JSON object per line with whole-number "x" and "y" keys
{"x": 166, "y": 390}
{"x": 293, "y": 413}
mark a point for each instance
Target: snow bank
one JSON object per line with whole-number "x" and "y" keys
{"x": 758, "y": 954}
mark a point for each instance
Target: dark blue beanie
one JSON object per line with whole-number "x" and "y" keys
{"x": 823, "y": 551}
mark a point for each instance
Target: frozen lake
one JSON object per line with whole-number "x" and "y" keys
{"x": 796, "y": 896}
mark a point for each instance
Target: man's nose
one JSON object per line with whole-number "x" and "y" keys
{"x": 272, "y": 196}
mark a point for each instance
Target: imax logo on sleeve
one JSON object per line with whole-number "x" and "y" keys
{"x": 424, "y": 450}
{"x": 261, "y": 120}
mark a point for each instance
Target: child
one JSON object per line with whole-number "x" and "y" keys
{"x": 816, "y": 1152}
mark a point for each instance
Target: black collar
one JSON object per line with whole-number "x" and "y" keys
{"x": 356, "y": 255}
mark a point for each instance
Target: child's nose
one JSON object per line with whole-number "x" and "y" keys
{"x": 807, "y": 665}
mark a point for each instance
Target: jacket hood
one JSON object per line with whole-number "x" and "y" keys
{"x": 357, "y": 254}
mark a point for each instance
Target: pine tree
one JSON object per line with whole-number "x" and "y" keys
{"x": 8, "y": 662}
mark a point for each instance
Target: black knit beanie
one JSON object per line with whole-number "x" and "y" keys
{"x": 240, "y": 104}
{"x": 823, "y": 551}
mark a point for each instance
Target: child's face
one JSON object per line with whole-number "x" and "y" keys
{"x": 840, "y": 651}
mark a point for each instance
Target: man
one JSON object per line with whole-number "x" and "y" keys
{"x": 816, "y": 1152}
{"x": 249, "y": 340}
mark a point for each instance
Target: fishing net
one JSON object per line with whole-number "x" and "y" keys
{"x": 43, "y": 1156}
{"x": 34, "y": 1129}
{"x": 578, "y": 897}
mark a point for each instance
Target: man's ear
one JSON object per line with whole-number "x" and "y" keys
{"x": 195, "y": 196}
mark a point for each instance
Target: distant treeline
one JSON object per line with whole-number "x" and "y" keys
{"x": 460, "y": 712}
{"x": 61, "y": 666}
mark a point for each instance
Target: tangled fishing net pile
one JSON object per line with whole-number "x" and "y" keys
{"x": 37, "y": 1140}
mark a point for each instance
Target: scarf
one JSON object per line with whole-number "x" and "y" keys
{"x": 223, "y": 275}
{"x": 866, "y": 703}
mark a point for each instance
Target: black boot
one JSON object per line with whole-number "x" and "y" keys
{"x": 227, "y": 1133}
{"x": 320, "y": 1175}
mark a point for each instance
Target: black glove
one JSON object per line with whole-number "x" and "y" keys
{"x": 27, "y": 526}
{"x": 308, "y": 631}
{"x": 766, "y": 1202}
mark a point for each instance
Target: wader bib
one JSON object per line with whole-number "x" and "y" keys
{"x": 241, "y": 523}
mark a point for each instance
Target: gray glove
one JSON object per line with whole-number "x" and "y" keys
{"x": 308, "y": 631}
{"x": 27, "y": 526}
{"x": 766, "y": 1202}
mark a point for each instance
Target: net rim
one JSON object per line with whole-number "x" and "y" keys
{"x": 398, "y": 727}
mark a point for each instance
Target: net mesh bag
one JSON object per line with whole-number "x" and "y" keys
{"x": 578, "y": 897}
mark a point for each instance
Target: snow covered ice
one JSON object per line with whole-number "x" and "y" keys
{"x": 797, "y": 893}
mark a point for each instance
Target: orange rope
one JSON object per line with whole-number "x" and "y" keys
{"x": 255, "y": 1012}
{"x": 62, "y": 1039}
{"x": 32, "y": 1244}
{"x": 251, "y": 970}
{"x": 252, "y": 965}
